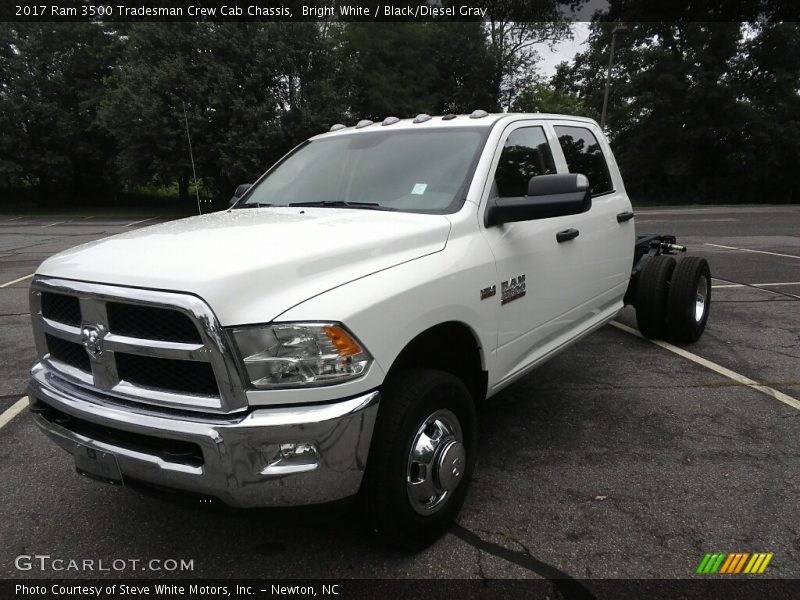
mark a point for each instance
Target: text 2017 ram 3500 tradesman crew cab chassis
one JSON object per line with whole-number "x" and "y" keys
{"x": 330, "y": 335}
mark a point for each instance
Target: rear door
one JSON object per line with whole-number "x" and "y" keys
{"x": 608, "y": 241}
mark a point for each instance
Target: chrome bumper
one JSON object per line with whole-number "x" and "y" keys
{"x": 241, "y": 464}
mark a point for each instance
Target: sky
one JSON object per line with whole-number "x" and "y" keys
{"x": 563, "y": 51}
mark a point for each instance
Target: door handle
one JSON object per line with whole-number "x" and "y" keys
{"x": 624, "y": 216}
{"x": 566, "y": 235}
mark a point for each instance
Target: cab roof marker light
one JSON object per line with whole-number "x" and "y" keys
{"x": 421, "y": 118}
{"x": 337, "y": 127}
{"x": 448, "y": 117}
{"x": 390, "y": 121}
{"x": 478, "y": 114}
{"x": 364, "y": 123}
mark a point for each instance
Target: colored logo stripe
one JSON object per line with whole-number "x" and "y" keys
{"x": 735, "y": 562}
{"x": 711, "y": 562}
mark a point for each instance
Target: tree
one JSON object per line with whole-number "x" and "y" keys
{"x": 224, "y": 76}
{"x": 544, "y": 98}
{"x": 51, "y": 82}
{"x": 379, "y": 79}
{"x": 460, "y": 54}
{"x": 403, "y": 69}
{"x": 514, "y": 28}
{"x": 767, "y": 80}
{"x": 673, "y": 110}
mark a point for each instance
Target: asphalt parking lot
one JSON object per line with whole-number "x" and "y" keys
{"x": 617, "y": 459}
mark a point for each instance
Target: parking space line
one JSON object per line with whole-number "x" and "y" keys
{"x": 142, "y": 221}
{"x": 13, "y": 411}
{"x": 758, "y": 285}
{"x": 749, "y": 250}
{"x": 760, "y": 289}
{"x": 51, "y": 224}
{"x": 8, "y": 283}
{"x": 780, "y": 396}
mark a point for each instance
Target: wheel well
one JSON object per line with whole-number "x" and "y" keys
{"x": 450, "y": 347}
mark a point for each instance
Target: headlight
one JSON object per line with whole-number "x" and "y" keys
{"x": 300, "y": 354}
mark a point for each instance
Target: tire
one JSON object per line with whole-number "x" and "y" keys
{"x": 652, "y": 292}
{"x": 689, "y": 300}
{"x": 408, "y": 400}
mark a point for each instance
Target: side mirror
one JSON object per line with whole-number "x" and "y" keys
{"x": 548, "y": 196}
{"x": 240, "y": 192}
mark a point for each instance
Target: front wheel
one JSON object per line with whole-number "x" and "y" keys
{"x": 421, "y": 457}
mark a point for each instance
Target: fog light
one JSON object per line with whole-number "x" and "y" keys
{"x": 291, "y": 457}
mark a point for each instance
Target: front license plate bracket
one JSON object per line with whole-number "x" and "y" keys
{"x": 96, "y": 464}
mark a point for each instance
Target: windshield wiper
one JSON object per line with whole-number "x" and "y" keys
{"x": 253, "y": 205}
{"x": 342, "y": 204}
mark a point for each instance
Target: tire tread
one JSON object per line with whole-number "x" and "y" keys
{"x": 652, "y": 291}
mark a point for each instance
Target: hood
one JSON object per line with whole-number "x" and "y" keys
{"x": 251, "y": 265}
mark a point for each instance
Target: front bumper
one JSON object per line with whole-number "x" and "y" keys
{"x": 238, "y": 458}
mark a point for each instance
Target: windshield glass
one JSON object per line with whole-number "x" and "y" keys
{"x": 416, "y": 171}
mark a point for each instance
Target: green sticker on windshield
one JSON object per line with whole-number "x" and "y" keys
{"x": 419, "y": 189}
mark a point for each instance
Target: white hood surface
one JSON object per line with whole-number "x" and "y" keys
{"x": 251, "y": 265}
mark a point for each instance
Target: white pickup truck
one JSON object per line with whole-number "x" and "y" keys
{"x": 330, "y": 335}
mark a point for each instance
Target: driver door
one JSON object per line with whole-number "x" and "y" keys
{"x": 543, "y": 285}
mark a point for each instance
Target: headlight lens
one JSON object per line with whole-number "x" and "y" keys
{"x": 300, "y": 354}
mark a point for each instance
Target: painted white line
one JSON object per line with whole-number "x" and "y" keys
{"x": 780, "y": 396}
{"x": 51, "y": 224}
{"x": 758, "y": 285}
{"x": 13, "y": 411}
{"x": 13, "y": 219}
{"x": 755, "y": 251}
{"x": 142, "y": 221}
{"x": 8, "y": 283}
{"x": 645, "y": 219}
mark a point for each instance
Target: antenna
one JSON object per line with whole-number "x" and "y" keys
{"x": 191, "y": 157}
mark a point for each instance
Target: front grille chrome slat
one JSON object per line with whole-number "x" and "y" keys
{"x": 147, "y": 346}
{"x": 64, "y": 331}
{"x": 157, "y": 348}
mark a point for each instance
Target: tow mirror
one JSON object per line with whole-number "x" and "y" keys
{"x": 240, "y": 192}
{"x": 548, "y": 196}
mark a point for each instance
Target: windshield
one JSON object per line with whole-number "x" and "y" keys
{"x": 416, "y": 171}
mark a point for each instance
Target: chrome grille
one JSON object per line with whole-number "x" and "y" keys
{"x": 146, "y": 346}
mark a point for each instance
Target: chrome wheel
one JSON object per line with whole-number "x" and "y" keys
{"x": 700, "y": 299}
{"x": 436, "y": 462}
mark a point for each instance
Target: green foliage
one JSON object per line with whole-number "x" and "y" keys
{"x": 442, "y": 67}
{"x": 543, "y": 98}
{"x": 698, "y": 112}
{"x": 51, "y": 83}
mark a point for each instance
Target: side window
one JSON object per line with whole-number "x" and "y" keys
{"x": 526, "y": 154}
{"x": 584, "y": 155}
